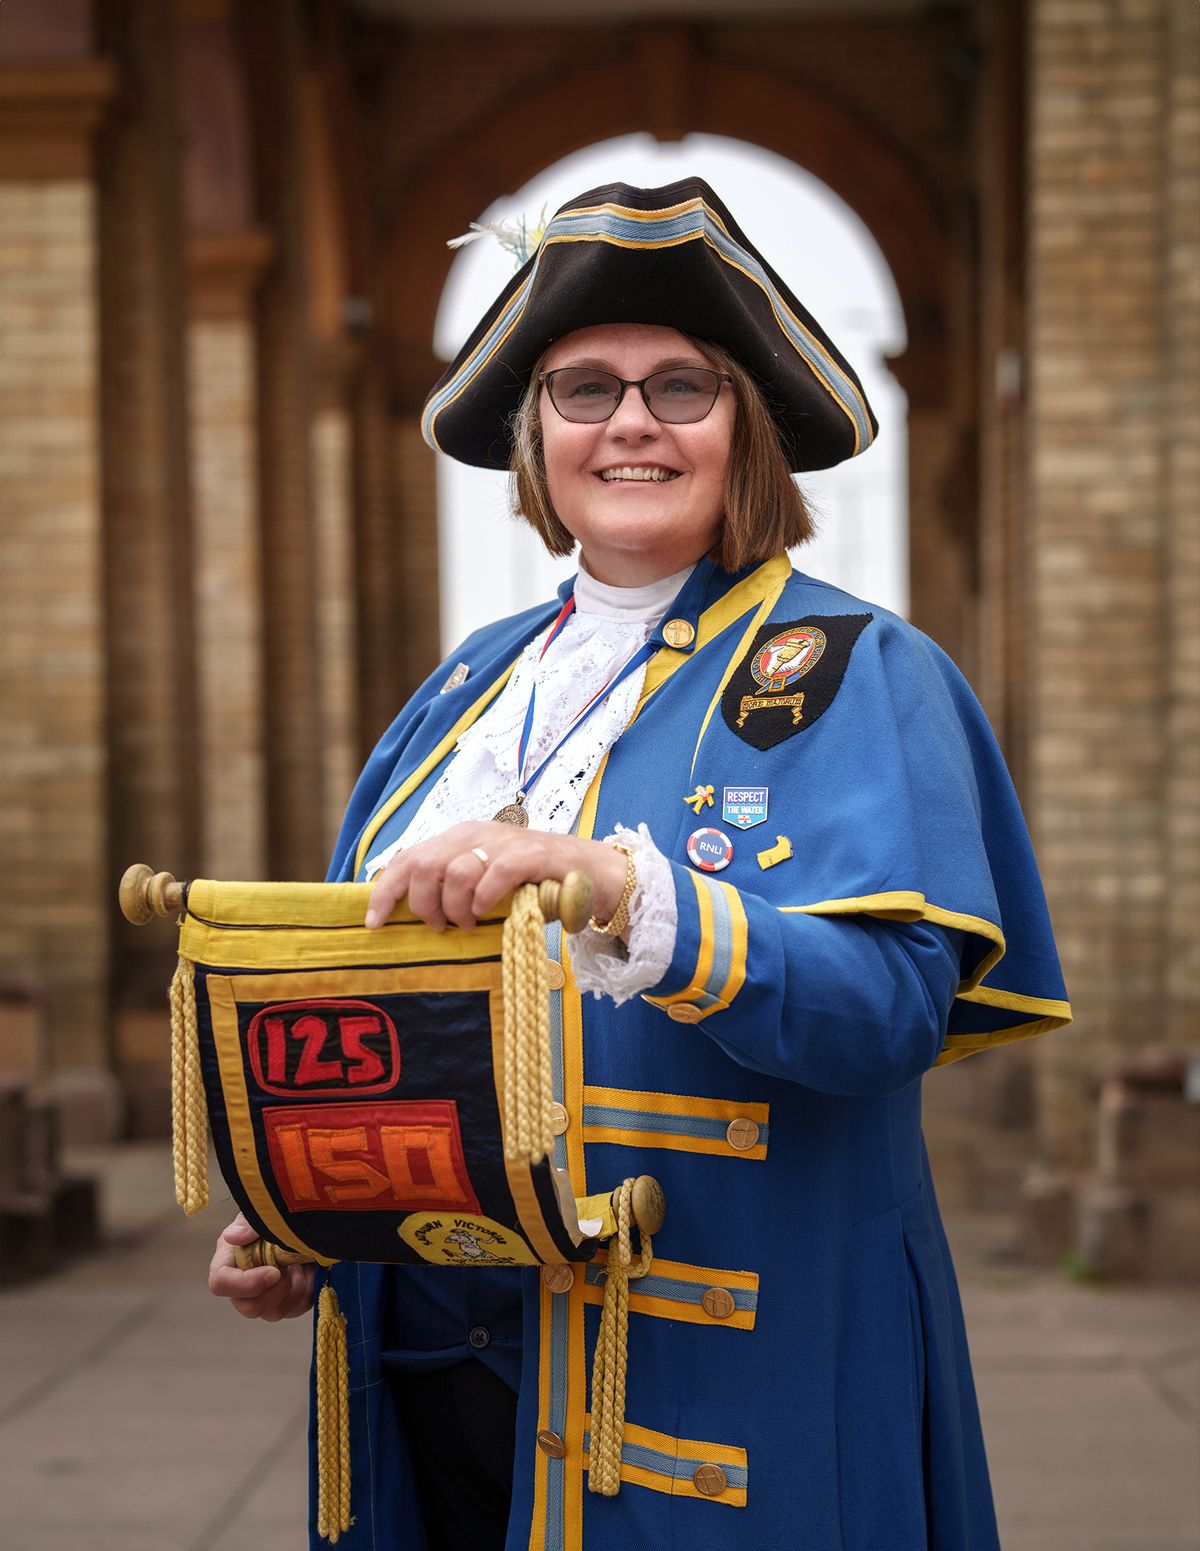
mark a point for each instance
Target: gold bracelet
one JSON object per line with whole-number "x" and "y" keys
{"x": 620, "y": 916}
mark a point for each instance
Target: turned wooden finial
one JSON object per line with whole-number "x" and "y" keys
{"x": 569, "y": 901}
{"x": 145, "y": 893}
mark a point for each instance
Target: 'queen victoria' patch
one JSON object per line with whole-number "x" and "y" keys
{"x": 789, "y": 677}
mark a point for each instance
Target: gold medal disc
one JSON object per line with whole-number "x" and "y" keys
{"x": 513, "y": 814}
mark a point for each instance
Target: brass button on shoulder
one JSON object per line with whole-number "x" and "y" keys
{"x": 717, "y": 1302}
{"x": 709, "y": 1479}
{"x": 553, "y": 1446}
{"x": 683, "y": 1012}
{"x": 556, "y": 976}
{"x": 560, "y": 1119}
{"x": 742, "y": 1134}
{"x": 679, "y": 633}
{"x": 558, "y": 1279}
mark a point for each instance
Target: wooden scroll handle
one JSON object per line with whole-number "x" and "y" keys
{"x": 145, "y": 893}
{"x": 648, "y": 1204}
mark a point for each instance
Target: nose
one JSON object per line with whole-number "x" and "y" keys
{"x": 632, "y": 420}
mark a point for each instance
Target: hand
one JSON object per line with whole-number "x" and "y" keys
{"x": 445, "y": 881}
{"x": 267, "y": 1292}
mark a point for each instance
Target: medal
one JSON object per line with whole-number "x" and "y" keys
{"x": 513, "y": 813}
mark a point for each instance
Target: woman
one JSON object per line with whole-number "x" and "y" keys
{"x": 764, "y": 1005}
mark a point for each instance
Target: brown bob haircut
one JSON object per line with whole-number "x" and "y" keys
{"x": 765, "y": 511}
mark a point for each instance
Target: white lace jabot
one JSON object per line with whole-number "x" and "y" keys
{"x": 606, "y": 628}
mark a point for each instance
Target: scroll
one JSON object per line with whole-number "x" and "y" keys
{"x": 385, "y": 1096}
{"x": 373, "y": 1095}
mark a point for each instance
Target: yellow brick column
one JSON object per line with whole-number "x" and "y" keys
{"x": 224, "y": 272}
{"x": 1112, "y": 321}
{"x": 55, "y": 904}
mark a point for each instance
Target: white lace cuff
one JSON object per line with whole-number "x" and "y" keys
{"x": 604, "y": 965}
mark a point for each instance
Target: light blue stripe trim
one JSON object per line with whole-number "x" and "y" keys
{"x": 681, "y": 1469}
{"x": 555, "y": 1480}
{"x": 691, "y": 224}
{"x": 674, "y": 1288}
{"x": 613, "y": 1118}
{"x": 722, "y": 960}
{"x": 557, "y": 1080}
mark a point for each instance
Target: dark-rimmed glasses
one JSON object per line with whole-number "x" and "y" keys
{"x": 679, "y": 395}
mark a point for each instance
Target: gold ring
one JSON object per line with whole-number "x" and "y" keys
{"x": 481, "y": 854}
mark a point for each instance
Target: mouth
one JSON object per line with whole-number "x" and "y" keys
{"x": 637, "y": 474}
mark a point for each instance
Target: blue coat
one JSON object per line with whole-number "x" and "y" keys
{"x": 771, "y": 1082}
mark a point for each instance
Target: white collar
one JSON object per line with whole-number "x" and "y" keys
{"x": 648, "y": 603}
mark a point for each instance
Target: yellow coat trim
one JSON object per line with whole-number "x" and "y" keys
{"x": 675, "y": 1104}
{"x": 911, "y": 905}
{"x": 710, "y": 1453}
{"x": 672, "y": 1308}
{"x": 763, "y": 584}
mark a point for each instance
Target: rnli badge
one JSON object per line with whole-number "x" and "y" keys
{"x": 789, "y": 679}
{"x": 709, "y": 850}
{"x": 744, "y": 806}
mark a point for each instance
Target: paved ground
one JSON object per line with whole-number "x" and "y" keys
{"x": 138, "y": 1414}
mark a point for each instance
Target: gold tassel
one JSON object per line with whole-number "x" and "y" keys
{"x": 189, "y": 1111}
{"x": 528, "y": 1097}
{"x": 333, "y": 1419}
{"x": 608, "y": 1370}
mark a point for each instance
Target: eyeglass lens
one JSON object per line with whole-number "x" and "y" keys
{"x": 678, "y": 395}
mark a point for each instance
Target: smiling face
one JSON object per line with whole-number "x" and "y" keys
{"x": 643, "y": 498}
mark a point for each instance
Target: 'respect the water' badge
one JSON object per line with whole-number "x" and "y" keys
{"x": 709, "y": 849}
{"x": 744, "y": 806}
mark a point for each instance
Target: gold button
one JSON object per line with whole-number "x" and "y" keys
{"x": 556, "y": 976}
{"x": 741, "y": 1134}
{"x": 683, "y": 1012}
{"x": 679, "y": 633}
{"x": 551, "y": 1444}
{"x": 709, "y": 1479}
{"x": 717, "y": 1302}
{"x": 558, "y": 1279}
{"x": 559, "y": 1118}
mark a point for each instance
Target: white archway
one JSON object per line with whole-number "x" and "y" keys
{"x": 492, "y": 565}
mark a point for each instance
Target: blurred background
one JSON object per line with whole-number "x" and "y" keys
{"x": 227, "y": 557}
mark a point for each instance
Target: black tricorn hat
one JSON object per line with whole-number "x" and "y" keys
{"x": 672, "y": 256}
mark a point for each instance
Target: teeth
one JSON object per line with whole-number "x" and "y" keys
{"x": 658, "y": 475}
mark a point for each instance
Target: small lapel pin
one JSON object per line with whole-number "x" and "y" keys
{"x": 701, "y": 797}
{"x": 459, "y": 676}
{"x": 781, "y": 851}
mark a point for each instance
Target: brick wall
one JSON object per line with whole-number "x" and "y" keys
{"x": 226, "y": 580}
{"x": 54, "y": 908}
{"x": 335, "y": 607}
{"x": 1110, "y": 191}
{"x": 1182, "y": 299}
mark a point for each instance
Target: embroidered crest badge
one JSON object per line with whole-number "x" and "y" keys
{"x": 790, "y": 677}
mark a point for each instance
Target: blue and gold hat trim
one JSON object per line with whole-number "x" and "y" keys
{"x": 622, "y": 226}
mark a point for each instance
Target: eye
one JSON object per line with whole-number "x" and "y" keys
{"x": 580, "y": 383}
{"x": 677, "y": 387}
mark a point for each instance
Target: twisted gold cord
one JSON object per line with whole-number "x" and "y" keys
{"x": 528, "y": 1127}
{"x": 189, "y": 1112}
{"x": 333, "y": 1419}
{"x": 608, "y": 1370}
